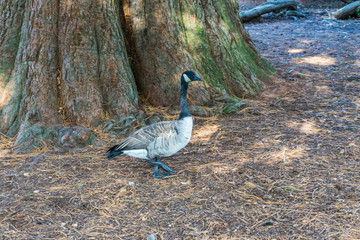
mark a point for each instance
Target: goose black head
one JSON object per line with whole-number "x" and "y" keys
{"x": 189, "y": 76}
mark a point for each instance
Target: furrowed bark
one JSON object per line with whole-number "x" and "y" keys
{"x": 158, "y": 41}
{"x": 31, "y": 96}
{"x": 206, "y": 36}
{"x": 62, "y": 64}
{"x": 11, "y": 19}
{"x": 102, "y": 80}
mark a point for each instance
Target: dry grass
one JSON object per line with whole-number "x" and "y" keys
{"x": 286, "y": 167}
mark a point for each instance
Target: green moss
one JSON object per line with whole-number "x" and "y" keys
{"x": 5, "y": 70}
{"x": 8, "y": 54}
{"x": 13, "y": 129}
{"x": 223, "y": 12}
{"x": 238, "y": 64}
{"x": 233, "y": 108}
{"x": 197, "y": 42}
{"x": 92, "y": 139}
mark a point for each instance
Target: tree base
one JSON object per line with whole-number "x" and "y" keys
{"x": 65, "y": 139}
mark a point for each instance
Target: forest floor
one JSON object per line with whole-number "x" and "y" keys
{"x": 285, "y": 167}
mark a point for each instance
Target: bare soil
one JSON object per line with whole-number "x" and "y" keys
{"x": 285, "y": 167}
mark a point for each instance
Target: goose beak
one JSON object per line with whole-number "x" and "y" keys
{"x": 196, "y": 78}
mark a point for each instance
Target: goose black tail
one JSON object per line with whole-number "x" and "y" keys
{"x": 112, "y": 152}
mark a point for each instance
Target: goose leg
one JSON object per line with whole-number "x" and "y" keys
{"x": 156, "y": 172}
{"x": 158, "y": 164}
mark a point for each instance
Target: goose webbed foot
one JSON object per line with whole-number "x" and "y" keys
{"x": 158, "y": 164}
{"x": 159, "y": 175}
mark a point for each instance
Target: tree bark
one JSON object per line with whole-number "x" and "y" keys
{"x": 204, "y": 35}
{"x": 66, "y": 63}
{"x": 29, "y": 89}
{"x": 96, "y": 77}
{"x": 267, "y": 7}
{"x": 347, "y": 11}
{"x": 68, "y": 66}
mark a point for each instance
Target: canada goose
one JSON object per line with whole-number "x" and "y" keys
{"x": 161, "y": 139}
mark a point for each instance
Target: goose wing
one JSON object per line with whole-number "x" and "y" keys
{"x": 142, "y": 138}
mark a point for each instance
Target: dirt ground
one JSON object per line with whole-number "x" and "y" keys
{"x": 285, "y": 167}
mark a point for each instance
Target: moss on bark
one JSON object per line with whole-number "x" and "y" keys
{"x": 204, "y": 35}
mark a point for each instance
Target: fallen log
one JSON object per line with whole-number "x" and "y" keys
{"x": 267, "y": 7}
{"x": 347, "y": 11}
{"x": 348, "y": 1}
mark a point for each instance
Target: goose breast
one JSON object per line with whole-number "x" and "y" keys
{"x": 168, "y": 144}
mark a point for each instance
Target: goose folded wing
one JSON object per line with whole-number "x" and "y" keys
{"x": 146, "y": 135}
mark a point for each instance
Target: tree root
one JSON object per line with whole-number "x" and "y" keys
{"x": 37, "y": 137}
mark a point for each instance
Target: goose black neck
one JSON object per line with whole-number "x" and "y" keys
{"x": 185, "y": 112}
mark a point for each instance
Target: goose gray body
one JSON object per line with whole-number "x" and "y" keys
{"x": 161, "y": 139}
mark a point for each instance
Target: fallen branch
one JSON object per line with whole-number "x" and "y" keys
{"x": 347, "y": 11}
{"x": 348, "y": 1}
{"x": 267, "y": 7}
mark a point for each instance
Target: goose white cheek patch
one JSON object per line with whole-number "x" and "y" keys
{"x": 187, "y": 79}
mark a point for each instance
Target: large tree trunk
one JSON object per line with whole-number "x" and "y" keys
{"x": 69, "y": 63}
{"x": 205, "y": 35}
{"x": 64, "y": 63}
{"x": 95, "y": 74}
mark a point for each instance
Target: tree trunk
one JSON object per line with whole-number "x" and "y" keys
{"x": 69, "y": 63}
{"x": 204, "y": 35}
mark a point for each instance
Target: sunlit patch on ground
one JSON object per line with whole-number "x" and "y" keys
{"x": 296, "y": 50}
{"x": 357, "y": 62}
{"x": 318, "y": 60}
{"x": 286, "y": 155}
{"x": 308, "y": 127}
{"x": 307, "y": 41}
{"x": 357, "y": 102}
{"x": 205, "y": 133}
{"x": 323, "y": 89}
